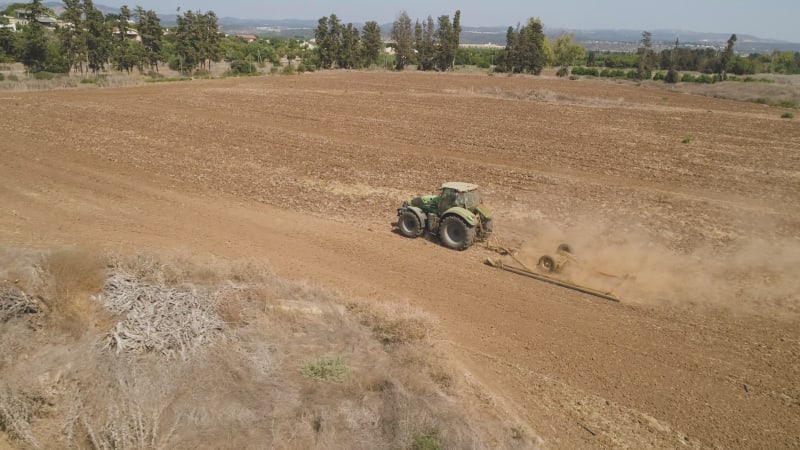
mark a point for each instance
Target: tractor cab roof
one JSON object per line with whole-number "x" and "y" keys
{"x": 460, "y": 187}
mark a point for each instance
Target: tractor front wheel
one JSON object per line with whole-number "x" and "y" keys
{"x": 455, "y": 233}
{"x": 408, "y": 224}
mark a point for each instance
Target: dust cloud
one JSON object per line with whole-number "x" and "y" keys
{"x": 753, "y": 275}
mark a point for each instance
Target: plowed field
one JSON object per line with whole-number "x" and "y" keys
{"x": 692, "y": 203}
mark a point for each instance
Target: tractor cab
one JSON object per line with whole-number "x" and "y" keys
{"x": 464, "y": 195}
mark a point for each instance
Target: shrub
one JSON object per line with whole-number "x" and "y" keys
{"x": 787, "y": 104}
{"x": 591, "y": 71}
{"x": 428, "y": 441}
{"x": 44, "y": 75}
{"x": 687, "y": 140}
{"x": 13, "y": 77}
{"x": 326, "y": 368}
{"x": 687, "y": 78}
{"x": 633, "y": 75}
{"x": 787, "y": 115}
{"x": 2, "y": 77}
{"x": 672, "y": 76}
{"x": 202, "y": 73}
{"x": 562, "y": 72}
{"x": 288, "y": 70}
{"x": 240, "y": 67}
{"x": 704, "y": 79}
{"x": 659, "y": 76}
{"x": 618, "y": 73}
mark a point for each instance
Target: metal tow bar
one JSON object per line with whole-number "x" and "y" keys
{"x": 499, "y": 264}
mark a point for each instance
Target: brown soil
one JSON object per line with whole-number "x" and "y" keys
{"x": 305, "y": 172}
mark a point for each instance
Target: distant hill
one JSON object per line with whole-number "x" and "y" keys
{"x": 601, "y": 40}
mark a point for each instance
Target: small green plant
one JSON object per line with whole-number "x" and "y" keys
{"x": 687, "y": 140}
{"x": 167, "y": 79}
{"x": 787, "y": 115}
{"x": 326, "y": 368}
{"x": 44, "y": 75}
{"x": 427, "y": 441}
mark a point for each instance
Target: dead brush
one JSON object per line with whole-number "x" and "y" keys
{"x": 16, "y": 412}
{"x": 393, "y": 325}
{"x": 15, "y": 303}
{"x": 158, "y": 318}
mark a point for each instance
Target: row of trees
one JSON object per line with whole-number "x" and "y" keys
{"x": 343, "y": 47}
{"x": 88, "y": 40}
{"x": 430, "y": 45}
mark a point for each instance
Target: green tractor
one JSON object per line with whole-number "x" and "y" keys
{"x": 456, "y": 215}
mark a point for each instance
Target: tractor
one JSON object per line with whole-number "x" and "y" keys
{"x": 456, "y": 215}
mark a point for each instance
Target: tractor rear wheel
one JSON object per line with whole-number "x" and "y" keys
{"x": 408, "y": 224}
{"x": 455, "y": 233}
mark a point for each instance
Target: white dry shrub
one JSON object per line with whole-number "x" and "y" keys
{"x": 167, "y": 320}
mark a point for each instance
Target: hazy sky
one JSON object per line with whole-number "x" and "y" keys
{"x": 777, "y": 19}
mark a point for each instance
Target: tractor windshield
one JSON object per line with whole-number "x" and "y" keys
{"x": 469, "y": 199}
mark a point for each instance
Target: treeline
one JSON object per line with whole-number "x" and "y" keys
{"x": 703, "y": 60}
{"x": 87, "y": 41}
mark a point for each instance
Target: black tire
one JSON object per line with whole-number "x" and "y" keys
{"x": 408, "y": 224}
{"x": 547, "y": 263}
{"x": 455, "y": 233}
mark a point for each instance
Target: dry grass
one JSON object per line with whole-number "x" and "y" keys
{"x": 785, "y": 90}
{"x": 70, "y": 278}
{"x": 394, "y": 387}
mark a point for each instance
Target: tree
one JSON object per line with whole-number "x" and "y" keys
{"x": 565, "y": 52}
{"x": 208, "y": 48}
{"x": 350, "y": 48}
{"x": 321, "y": 37}
{"x": 329, "y": 35}
{"x": 187, "y": 40}
{"x": 98, "y": 37}
{"x": 73, "y": 35}
{"x": 372, "y": 43}
{"x": 456, "y": 35}
{"x": 125, "y": 53}
{"x": 152, "y": 35}
{"x": 425, "y": 45}
{"x": 9, "y": 44}
{"x": 525, "y": 49}
{"x": 402, "y": 35}
{"x": 647, "y": 57}
{"x": 34, "y": 41}
{"x": 726, "y": 59}
{"x": 197, "y": 42}
{"x": 445, "y": 52}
